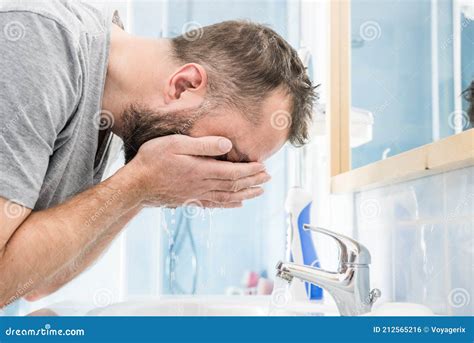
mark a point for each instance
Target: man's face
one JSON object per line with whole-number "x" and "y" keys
{"x": 251, "y": 142}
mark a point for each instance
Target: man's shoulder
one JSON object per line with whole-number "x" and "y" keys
{"x": 74, "y": 16}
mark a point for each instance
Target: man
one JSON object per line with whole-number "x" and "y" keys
{"x": 197, "y": 114}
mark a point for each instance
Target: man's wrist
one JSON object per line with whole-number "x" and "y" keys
{"x": 130, "y": 181}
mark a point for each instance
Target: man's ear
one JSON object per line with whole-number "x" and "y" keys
{"x": 191, "y": 78}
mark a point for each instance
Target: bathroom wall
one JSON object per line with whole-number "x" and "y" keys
{"x": 214, "y": 249}
{"x": 421, "y": 237}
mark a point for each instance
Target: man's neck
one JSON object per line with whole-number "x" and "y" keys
{"x": 136, "y": 69}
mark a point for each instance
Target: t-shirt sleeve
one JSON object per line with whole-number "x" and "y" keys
{"x": 39, "y": 88}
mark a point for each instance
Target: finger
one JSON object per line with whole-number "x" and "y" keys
{"x": 201, "y": 146}
{"x": 210, "y": 204}
{"x": 224, "y": 170}
{"x": 206, "y": 204}
{"x": 228, "y": 197}
{"x": 34, "y": 295}
{"x": 240, "y": 184}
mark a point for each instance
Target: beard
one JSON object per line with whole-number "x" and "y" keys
{"x": 141, "y": 124}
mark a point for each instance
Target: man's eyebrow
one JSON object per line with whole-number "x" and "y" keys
{"x": 241, "y": 157}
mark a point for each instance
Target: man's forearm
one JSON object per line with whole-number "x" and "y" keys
{"x": 87, "y": 257}
{"x": 50, "y": 240}
{"x": 44, "y": 242}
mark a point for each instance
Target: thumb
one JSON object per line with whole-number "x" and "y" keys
{"x": 203, "y": 146}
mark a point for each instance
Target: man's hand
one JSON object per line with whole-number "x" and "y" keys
{"x": 177, "y": 170}
{"x": 36, "y": 246}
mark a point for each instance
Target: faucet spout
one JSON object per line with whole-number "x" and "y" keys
{"x": 320, "y": 277}
{"x": 349, "y": 286}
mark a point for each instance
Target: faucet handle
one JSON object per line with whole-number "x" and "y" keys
{"x": 350, "y": 251}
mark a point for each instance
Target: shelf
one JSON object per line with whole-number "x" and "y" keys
{"x": 453, "y": 152}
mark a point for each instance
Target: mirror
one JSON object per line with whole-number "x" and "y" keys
{"x": 410, "y": 62}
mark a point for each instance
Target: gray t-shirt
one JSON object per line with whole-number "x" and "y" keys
{"x": 53, "y": 62}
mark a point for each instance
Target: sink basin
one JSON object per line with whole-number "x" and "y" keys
{"x": 220, "y": 305}
{"x": 211, "y": 306}
{"x": 394, "y": 309}
{"x": 179, "y": 307}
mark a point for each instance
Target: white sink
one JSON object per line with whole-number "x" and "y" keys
{"x": 394, "y": 309}
{"x": 211, "y": 306}
{"x": 220, "y": 305}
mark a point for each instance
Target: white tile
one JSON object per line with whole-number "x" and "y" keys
{"x": 420, "y": 235}
{"x": 460, "y": 295}
{"x": 420, "y": 274}
{"x": 460, "y": 193}
{"x": 428, "y": 195}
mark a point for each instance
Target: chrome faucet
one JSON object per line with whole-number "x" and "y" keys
{"x": 349, "y": 286}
